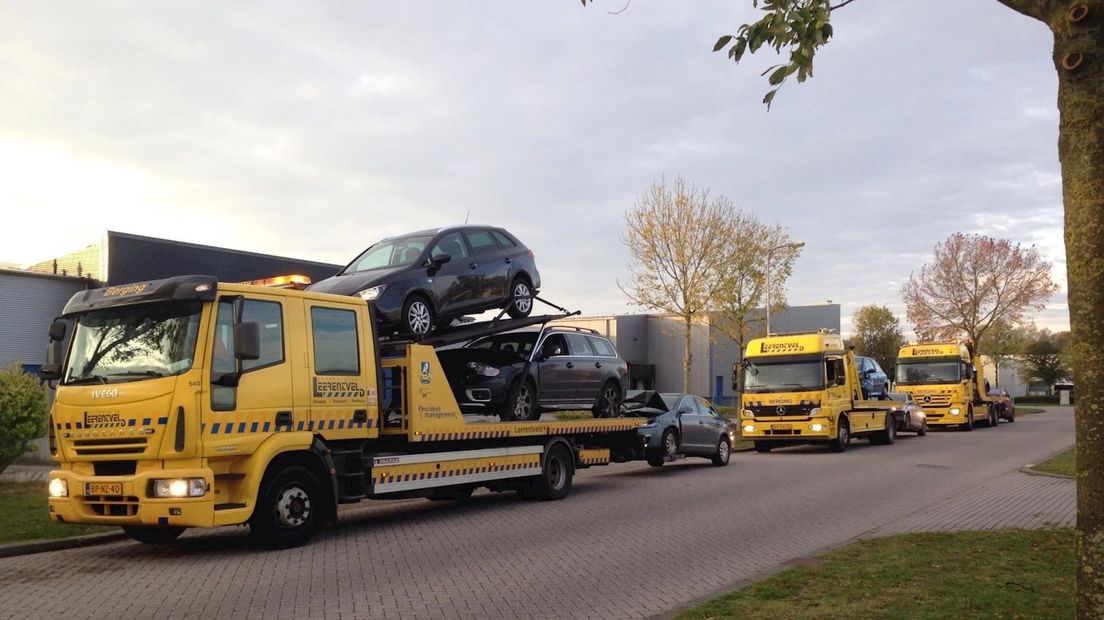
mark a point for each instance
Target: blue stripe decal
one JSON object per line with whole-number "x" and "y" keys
{"x": 300, "y": 425}
{"x": 131, "y": 422}
{"x": 215, "y": 428}
{"x": 253, "y": 428}
{"x": 229, "y": 428}
{"x": 341, "y": 424}
{"x": 145, "y": 421}
{"x": 241, "y": 427}
{"x": 310, "y": 426}
{"x": 78, "y": 425}
{"x": 162, "y": 421}
{"x": 69, "y": 425}
{"x": 264, "y": 429}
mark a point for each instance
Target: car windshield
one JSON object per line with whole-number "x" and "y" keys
{"x": 133, "y": 342}
{"x": 784, "y": 376}
{"x": 927, "y": 373}
{"x": 670, "y": 399}
{"x": 518, "y": 342}
{"x": 390, "y": 253}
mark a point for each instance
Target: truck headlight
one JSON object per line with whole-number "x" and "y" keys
{"x": 749, "y": 428}
{"x": 482, "y": 369}
{"x": 370, "y": 294}
{"x": 816, "y": 428}
{"x": 748, "y": 413}
{"x": 955, "y": 411}
{"x": 179, "y": 487}
{"x": 59, "y": 488}
{"x": 814, "y": 411}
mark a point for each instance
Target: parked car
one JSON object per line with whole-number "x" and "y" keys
{"x": 1006, "y": 407}
{"x": 520, "y": 374}
{"x": 425, "y": 279}
{"x": 679, "y": 424}
{"x": 874, "y": 381}
{"x": 908, "y": 414}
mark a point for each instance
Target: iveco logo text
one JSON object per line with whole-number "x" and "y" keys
{"x": 112, "y": 393}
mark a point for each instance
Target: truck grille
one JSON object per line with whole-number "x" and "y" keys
{"x": 112, "y": 505}
{"x": 933, "y": 400}
{"x": 763, "y": 411}
{"x": 111, "y": 446}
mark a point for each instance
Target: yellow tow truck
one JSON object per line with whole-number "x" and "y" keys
{"x": 947, "y": 380}
{"x": 188, "y": 402}
{"x": 803, "y": 388}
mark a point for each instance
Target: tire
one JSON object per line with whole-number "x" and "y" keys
{"x": 609, "y": 401}
{"x": 1012, "y": 416}
{"x": 889, "y": 435}
{"x": 554, "y": 481}
{"x": 152, "y": 535}
{"x": 923, "y": 429}
{"x": 843, "y": 437}
{"x": 289, "y": 508}
{"x": 724, "y": 453}
{"x": 417, "y": 316}
{"x": 969, "y": 425}
{"x": 994, "y": 419}
{"x": 763, "y": 447}
{"x": 668, "y": 449}
{"x": 521, "y": 406}
{"x": 521, "y": 298}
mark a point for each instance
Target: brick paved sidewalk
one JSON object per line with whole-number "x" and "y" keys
{"x": 1014, "y": 500}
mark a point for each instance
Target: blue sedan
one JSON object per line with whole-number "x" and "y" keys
{"x": 679, "y": 425}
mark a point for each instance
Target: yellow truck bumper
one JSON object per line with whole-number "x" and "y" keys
{"x": 816, "y": 429}
{"x": 124, "y": 500}
{"x": 944, "y": 417}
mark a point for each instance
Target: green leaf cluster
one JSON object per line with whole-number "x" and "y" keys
{"x": 22, "y": 412}
{"x": 799, "y": 26}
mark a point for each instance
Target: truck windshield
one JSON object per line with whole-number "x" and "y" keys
{"x": 133, "y": 342}
{"x": 927, "y": 373}
{"x": 802, "y": 376}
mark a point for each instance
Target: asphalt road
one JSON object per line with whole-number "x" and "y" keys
{"x": 631, "y": 541}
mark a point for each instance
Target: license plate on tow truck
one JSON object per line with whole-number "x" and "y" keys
{"x": 781, "y": 427}
{"x": 103, "y": 488}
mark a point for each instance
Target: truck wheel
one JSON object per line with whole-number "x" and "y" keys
{"x": 724, "y": 452}
{"x": 554, "y": 481}
{"x": 289, "y": 508}
{"x": 152, "y": 535}
{"x": 521, "y": 298}
{"x": 609, "y": 402}
{"x": 843, "y": 437}
{"x": 889, "y": 435}
{"x": 763, "y": 446}
{"x": 521, "y": 406}
{"x": 993, "y": 419}
{"x": 969, "y": 425}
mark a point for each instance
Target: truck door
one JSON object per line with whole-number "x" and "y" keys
{"x": 343, "y": 397}
{"x": 236, "y": 418}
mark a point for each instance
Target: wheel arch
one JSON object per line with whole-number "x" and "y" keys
{"x": 316, "y": 459}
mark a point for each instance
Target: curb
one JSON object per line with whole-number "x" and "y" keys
{"x": 42, "y": 546}
{"x": 1034, "y": 472}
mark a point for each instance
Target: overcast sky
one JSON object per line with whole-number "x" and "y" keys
{"x": 313, "y": 129}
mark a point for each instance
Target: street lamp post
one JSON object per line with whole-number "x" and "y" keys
{"x": 770, "y": 252}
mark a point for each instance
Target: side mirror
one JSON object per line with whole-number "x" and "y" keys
{"x": 57, "y": 330}
{"x": 433, "y": 263}
{"x": 247, "y": 340}
{"x": 51, "y": 370}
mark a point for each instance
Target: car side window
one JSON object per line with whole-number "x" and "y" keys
{"x": 577, "y": 344}
{"x": 503, "y": 240}
{"x": 481, "y": 242}
{"x": 451, "y": 244}
{"x": 554, "y": 345}
{"x": 602, "y": 346}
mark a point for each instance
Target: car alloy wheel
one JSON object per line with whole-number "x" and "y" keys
{"x": 670, "y": 444}
{"x": 523, "y": 298}
{"x": 418, "y": 317}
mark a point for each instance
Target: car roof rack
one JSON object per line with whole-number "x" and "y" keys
{"x": 585, "y": 330}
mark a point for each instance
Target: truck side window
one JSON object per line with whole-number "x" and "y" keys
{"x": 336, "y": 350}
{"x": 268, "y": 314}
{"x": 841, "y": 374}
{"x": 830, "y": 371}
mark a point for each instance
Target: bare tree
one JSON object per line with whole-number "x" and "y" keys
{"x": 675, "y": 237}
{"x": 741, "y": 284}
{"x": 973, "y": 282}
